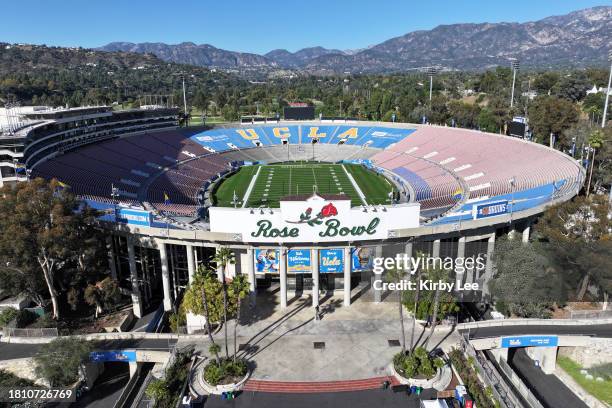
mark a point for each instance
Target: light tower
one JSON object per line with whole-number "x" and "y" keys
{"x": 515, "y": 66}
{"x": 431, "y": 71}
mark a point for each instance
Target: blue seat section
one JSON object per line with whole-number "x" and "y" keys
{"x": 293, "y": 131}
{"x": 384, "y": 137}
{"x": 245, "y": 137}
{"x": 523, "y": 200}
{"x": 219, "y": 139}
{"x": 325, "y": 133}
{"x": 421, "y": 188}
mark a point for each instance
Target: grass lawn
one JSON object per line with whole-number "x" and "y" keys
{"x": 279, "y": 180}
{"x": 374, "y": 186}
{"x": 600, "y": 390}
{"x": 237, "y": 183}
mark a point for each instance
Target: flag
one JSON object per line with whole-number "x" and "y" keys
{"x": 458, "y": 194}
{"x": 166, "y": 198}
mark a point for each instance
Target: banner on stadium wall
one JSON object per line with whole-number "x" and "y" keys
{"x": 362, "y": 259}
{"x": 133, "y": 217}
{"x": 331, "y": 260}
{"x": 298, "y": 261}
{"x": 266, "y": 261}
{"x": 490, "y": 209}
{"x": 529, "y": 341}
{"x": 112, "y": 355}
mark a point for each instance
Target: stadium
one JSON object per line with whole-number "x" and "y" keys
{"x": 304, "y": 204}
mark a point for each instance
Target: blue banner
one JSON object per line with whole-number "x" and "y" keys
{"x": 529, "y": 341}
{"x": 331, "y": 260}
{"x": 490, "y": 209}
{"x": 112, "y": 355}
{"x": 362, "y": 259}
{"x": 298, "y": 261}
{"x": 134, "y": 217}
{"x": 266, "y": 261}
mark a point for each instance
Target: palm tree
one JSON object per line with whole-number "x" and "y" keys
{"x": 595, "y": 142}
{"x": 416, "y": 304}
{"x": 240, "y": 289}
{"x": 396, "y": 276}
{"x": 435, "y": 275}
{"x": 224, "y": 257}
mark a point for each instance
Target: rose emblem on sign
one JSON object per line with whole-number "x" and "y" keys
{"x": 307, "y": 216}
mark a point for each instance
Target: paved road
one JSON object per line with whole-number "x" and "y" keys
{"x": 547, "y": 388}
{"x": 603, "y": 330}
{"x": 107, "y": 388}
{"x": 9, "y": 351}
{"x": 355, "y": 399}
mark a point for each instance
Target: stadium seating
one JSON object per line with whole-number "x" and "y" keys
{"x": 445, "y": 168}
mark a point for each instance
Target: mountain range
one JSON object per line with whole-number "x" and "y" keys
{"x": 578, "y": 39}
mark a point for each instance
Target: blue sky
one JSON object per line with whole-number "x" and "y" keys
{"x": 255, "y": 25}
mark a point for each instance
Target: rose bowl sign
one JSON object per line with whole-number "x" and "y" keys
{"x": 314, "y": 219}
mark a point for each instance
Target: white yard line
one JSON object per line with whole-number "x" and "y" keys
{"x": 290, "y": 180}
{"x": 355, "y": 185}
{"x": 315, "y": 180}
{"x": 247, "y": 194}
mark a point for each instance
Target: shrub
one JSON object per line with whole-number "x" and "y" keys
{"x": 25, "y": 318}
{"x": 61, "y": 360}
{"x": 45, "y": 321}
{"x": 7, "y": 316}
{"x": 225, "y": 372}
{"x": 177, "y": 320}
{"x": 157, "y": 390}
{"x": 417, "y": 363}
{"x": 8, "y": 380}
{"x": 481, "y": 395}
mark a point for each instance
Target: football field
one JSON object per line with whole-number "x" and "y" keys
{"x": 265, "y": 185}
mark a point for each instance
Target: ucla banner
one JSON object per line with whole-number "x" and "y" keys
{"x": 298, "y": 261}
{"x": 331, "y": 260}
{"x": 112, "y": 355}
{"x": 529, "y": 341}
{"x": 266, "y": 261}
{"x": 362, "y": 259}
{"x": 490, "y": 209}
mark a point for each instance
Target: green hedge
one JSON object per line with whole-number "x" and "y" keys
{"x": 482, "y": 396}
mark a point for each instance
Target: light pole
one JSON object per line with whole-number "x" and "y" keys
{"x": 431, "y": 71}
{"x": 115, "y": 197}
{"x": 605, "y": 112}
{"x": 515, "y": 66}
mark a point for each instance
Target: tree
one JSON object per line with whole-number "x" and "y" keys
{"x": 204, "y": 297}
{"x": 223, "y": 258}
{"x": 238, "y": 290}
{"x": 103, "y": 295}
{"x": 435, "y": 275}
{"x": 524, "y": 284}
{"x": 61, "y": 361}
{"x": 42, "y": 225}
{"x": 595, "y": 142}
{"x": 551, "y": 115}
{"x": 578, "y": 235}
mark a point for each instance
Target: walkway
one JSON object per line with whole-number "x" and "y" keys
{"x": 349, "y": 343}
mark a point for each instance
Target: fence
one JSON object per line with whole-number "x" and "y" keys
{"x": 591, "y": 314}
{"x": 36, "y": 332}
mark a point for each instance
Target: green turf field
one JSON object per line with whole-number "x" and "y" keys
{"x": 279, "y": 180}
